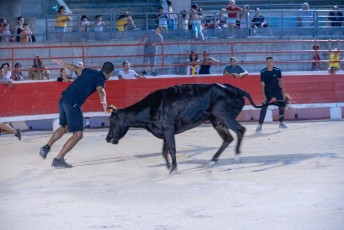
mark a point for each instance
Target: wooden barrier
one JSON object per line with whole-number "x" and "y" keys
{"x": 36, "y": 100}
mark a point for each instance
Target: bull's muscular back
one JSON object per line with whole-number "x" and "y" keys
{"x": 183, "y": 107}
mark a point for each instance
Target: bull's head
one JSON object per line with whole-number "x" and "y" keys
{"x": 118, "y": 127}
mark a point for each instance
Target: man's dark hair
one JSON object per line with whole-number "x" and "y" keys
{"x": 269, "y": 57}
{"x": 108, "y": 67}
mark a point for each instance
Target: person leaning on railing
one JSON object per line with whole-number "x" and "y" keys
{"x": 38, "y": 70}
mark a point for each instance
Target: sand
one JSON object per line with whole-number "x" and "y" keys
{"x": 285, "y": 179}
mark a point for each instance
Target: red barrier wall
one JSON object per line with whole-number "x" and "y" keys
{"x": 31, "y": 98}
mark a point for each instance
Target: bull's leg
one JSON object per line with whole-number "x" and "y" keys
{"x": 171, "y": 146}
{"x": 226, "y": 137}
{"x": 164, "y": 154}
{"x": 238, "y": 129}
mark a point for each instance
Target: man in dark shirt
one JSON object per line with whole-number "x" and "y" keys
{"x": 335, "y": 17}
{"x": 272, "y": 87}
{"x": 233, "y": 69}
{"x": 71, "y": 117}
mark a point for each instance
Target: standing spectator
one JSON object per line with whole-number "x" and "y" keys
{"x": 128, "y": 73}
{"x": 17, "y": 75}
{"x": 234, "y": 70}
{"x": 19, "y": 27}
{"x": 99, "y": 27}
{"x": 38, "y": 70}
{"x": 336, "y": 17}
{"x": 26, "y": 34}
{"x": 85, "y": 27}
{"x": 72, "y": 99}
{"x": 151, "y": 40}
{"x": 6, "y": 70}
{"x": 162, "y": 19}
{"x": 305, "y": 16}
{"x": 3, "y": 21}
{"x": 244, "y": 17}
{"x": 171, "y": 16}
{"x": 272, "y": 86}
{"x": 334, "y": 58}
{"x": 206, "y": 62}
{"x": 64, "y": 77}
{"x": 258, "y": 20}
{"x": 192, "y": 64}
{"x": 196, "y": 16}
{"x": 61, "y": 22}
{"x": 222, "y": 18}
{"x": 233, "y": 12}
{"x": 125, "y": 21}
{"x": 316, "y": 59}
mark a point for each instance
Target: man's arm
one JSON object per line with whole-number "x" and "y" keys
{"x": 102, "y": 97}
{"x": 71, "y": 67}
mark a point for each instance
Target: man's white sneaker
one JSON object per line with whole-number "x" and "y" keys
{"x": 259, "y": 128}
{"x": 283, "y": 125}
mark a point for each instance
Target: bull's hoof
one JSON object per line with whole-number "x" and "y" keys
{"x": 212, "y": 163}
{"x": 173, "y": 171}
{"x": 237, "y": 157}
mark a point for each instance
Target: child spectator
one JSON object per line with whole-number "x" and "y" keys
{"x": 99, "y": 27}
{"x": 17, "y": 75}
{"x": 233, "y": 11}
{"x": 334, "y": 59}
{"x": 192, "y": 64}
{"x": 124, "y": 21}
{"x": 64, "y": 77}
{"x": 26, "y": 34}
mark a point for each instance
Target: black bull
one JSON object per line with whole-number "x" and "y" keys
{"x": 173, "y": 110}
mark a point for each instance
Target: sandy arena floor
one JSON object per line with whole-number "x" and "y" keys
{"x": 286, "y": 179}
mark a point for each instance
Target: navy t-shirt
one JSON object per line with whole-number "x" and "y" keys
{"x": 270, "y": 78}
{"x": 84, "y": 86}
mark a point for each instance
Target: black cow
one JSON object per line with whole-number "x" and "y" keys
{"x": 173, "y": 110}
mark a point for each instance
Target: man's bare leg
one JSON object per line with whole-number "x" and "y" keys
{"x": 72, "y": 141}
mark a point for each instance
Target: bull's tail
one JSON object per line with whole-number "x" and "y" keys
{"x": 279, "y": 103}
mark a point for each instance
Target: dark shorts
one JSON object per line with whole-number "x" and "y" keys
{"x": 71, "y": 115}
{"x": 149, "y": 53}
{"x": 276, "y": 93}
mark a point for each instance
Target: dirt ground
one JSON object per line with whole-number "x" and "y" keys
{"x": 285, "y": 179}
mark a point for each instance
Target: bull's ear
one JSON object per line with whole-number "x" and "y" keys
{"x": 112, "y": 108}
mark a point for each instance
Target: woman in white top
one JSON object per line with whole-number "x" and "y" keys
{"x": 128, "y": 73}
{"x": 7, "y": 70}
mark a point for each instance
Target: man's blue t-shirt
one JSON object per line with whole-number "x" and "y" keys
{"x": 83, "y": 86}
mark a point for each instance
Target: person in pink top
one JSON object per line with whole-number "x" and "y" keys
{"x": 233, "y": 12}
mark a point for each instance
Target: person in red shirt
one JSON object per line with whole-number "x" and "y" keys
{"x": 233, "y": 11}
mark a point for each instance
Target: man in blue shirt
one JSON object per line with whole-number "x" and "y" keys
{"x": 272, "y": 87}
{"x": 71, "y": 117}
{"x": 234, "y": 70}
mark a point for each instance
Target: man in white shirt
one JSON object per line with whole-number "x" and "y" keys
{"x": 128, "y": 73}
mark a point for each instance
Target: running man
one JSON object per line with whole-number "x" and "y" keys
{"x": 71, "y": 117}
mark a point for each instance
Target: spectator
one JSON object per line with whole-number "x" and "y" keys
{"x": 272, "y": 87}
{"x": 305, "y": 16}
{"x": 234, "y": 70}
{"x": 162, "y": 19}
{"x": 192, "y": 64}
{"x": 64, "y": 77}
{"x": 244, "y": 17}
{"x": 26, "y": 34}
{"x": 206, "y": 62}
{"x": 233, "y": 11}
{"x": 196, "y": 18}
{"x": 334, "y": 59}
{"x": 171, "y": 16}
{"x": 38, "y": 70}
{"x": 7, "y": 128}
{"x": 6, "y": 34}
{"x": 124, "y": 21}
{"x": 80, "y": 64}
{"x": 98, "y": 27}
{"x": 85, "y": 27}
{"x": 17, "y": 75}
{"x": 258, "y": 20}
{"x": 222, "y": 18}
{"x": 128, "y": 73}
{"x": 316, "y": 59}
{"x": 184, "y": 20}
{"x": 3, "y": 21}
{"x": 61, "y": 22}
{"x": 212, "y": 24}
{"x": 151, "y": 40}
{"x": 336, "y": 17}
{"x": 3, "y": 78}
{"x": 6, "y": 70}
{"x": 19, "y": 27}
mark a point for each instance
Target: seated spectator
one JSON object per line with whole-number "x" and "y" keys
{"x": 7, "y": 70}
{"x": 234, "y": 70}
{"x": 17, "y": 75}
{"x": 334, "y": 59}
{"x": 213, "y": 25}
{"x": 336, "y": 17}
{"x": 162, "y": 19}
{"x": 38, "y": 70}
{"x": 26, "y": 34}
{"x": 222, "y": 18}
{"x": 3, "y": 78}
{"x": 128, "y": 73}
{"x": 64, "y": 77}
{"x": 258, "y": 20}
{"x": 206, "y": 62}
{"x": 125, "y": 21}
{"x": 233, "y": 11}
{"x": 305, "y": 16}
{"x": 244, "y": 17}
{"x": 6, "y": 34}
{"x": 192, "y": 64}
{"x": 99, "y": 27}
